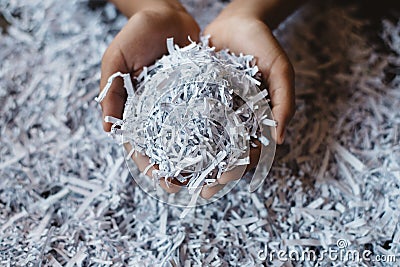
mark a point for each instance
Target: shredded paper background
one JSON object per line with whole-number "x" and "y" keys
{"x": 67, "y": 198}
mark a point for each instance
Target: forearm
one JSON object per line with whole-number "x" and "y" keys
{"x": 130, "y": 7}
{"x": 272, "y": 12}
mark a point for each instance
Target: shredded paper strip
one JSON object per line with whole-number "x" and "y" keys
{"x": 67, "y": 198}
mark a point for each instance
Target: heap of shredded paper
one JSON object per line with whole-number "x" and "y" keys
{"x": 67, "y": 198}
{"x": 194, "y": 114}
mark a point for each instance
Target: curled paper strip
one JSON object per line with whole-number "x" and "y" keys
{"x": 196, "y": 114}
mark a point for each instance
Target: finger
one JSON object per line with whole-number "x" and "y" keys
{"x": 113, "y": 104}
{"x": 232, "y": 175}
{"x": 142, "y": 162}
{"x": 209, "y": 191}
{"x": 281, "y": 89}
{"x": 169, "y": 187}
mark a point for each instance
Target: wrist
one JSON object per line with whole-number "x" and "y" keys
{"x": 271, "y": 12}
{"x": 131, "y": 7}
{"x": 238, "y": 8}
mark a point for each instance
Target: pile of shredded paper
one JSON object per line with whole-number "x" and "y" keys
{"x": 193, "y": 114}
{"x": 67, "y": 198}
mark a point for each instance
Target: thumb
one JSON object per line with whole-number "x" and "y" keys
{"x": 280, "y": 80}
{"x": 113, "y": 104}
{"x": 278, "y": 74}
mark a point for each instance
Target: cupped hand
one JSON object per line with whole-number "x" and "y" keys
{"x": 249, "y": 35}
{"x": 140, "y": 43}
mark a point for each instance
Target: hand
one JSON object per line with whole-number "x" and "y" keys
{"x": 139, "y": 44}
{"x": 252, "y": 36}
{"x": 243, "y": 33}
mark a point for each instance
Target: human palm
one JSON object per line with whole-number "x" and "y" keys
{"x": 140, "y": 43}
{"x": 251, "y": 36}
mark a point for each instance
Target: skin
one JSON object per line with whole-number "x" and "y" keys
{"x": 142, "y": 41}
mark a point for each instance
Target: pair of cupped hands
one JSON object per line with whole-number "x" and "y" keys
{"x": 143, "y": 40}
